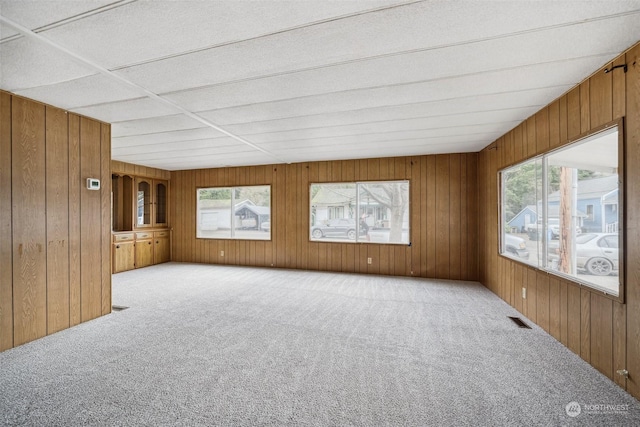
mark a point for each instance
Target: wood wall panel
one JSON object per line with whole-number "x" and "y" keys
{"x": 602, "y": 334}
{"x": 632, "y": 200}
{"x": 6, "y": 250}
{"x": 600, "y": 98}
{"x": 47, "y": 245}
{"x": 105, "y": 225}
{"x": 29, "y": 221}
{"x": 57, "y": 222}
{"x": 603, "y": 331}
{"x": 443, "y": 229}
{"x": 90, "y": 222}
{"x": 143, "y": 171}
{"x": 74, "y": 220}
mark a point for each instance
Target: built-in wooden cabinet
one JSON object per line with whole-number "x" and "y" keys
{"x": 144, "y": 249}
{"x": 140, "y": 221}
{"x": 140, "y": 249}
{"x": 151, "y": 203}
{"x": 161, "y": 247}
{"x": 123, "y": 250}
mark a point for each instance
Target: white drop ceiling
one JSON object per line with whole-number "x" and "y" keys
{"x": 199, "y": 83}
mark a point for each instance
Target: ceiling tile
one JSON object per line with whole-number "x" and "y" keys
{"x": 83, "y": 91}
{"x": 175, "y": 27}
{"x": 429, "y": 24}
{"x": 155, "y": 125}
{"x": 6, "y": 31}
{"x": 23, "y": 62}
{"x": 532, "y": 99}
{"x": 443, "y": 125}
{"x": 34, "y": 14}
{"x": 162, "y": 137}
{"x": 200, "y": 162}
{"x": 132, "y": 109}
{"x": 119, "y": 149}
{"x": 428, "y": 136}
{"x": 188, "y": 152}
{"x": 532, "y": 77}
{"x": 460, "y": 60}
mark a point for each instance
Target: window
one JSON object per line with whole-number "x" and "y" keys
{"x": 234, "y": 213}
{"x": 372, "y": 212}
{"x": 590, "y": 212}
{"x": 560, "y": 211}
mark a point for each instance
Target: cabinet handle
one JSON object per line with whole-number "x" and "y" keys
{"x": 117, "y": 246}
{"x": 149, "y": 242}
{"x": 157, "y": 242}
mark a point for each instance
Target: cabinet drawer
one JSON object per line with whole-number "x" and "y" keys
{"x": 123, "y": 237}
{"x": 144, "y": 235}
{"x": 164, "y": 233}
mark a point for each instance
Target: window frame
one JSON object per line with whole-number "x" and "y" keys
{"x": 621, "y": 211}
{"x": 232, "y": 216}
{"x": 311, "y": 215}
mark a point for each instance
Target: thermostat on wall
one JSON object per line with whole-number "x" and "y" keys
{"x": 93, "y": 184}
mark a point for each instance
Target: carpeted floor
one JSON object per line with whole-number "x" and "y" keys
{"x": 213, "y": 345}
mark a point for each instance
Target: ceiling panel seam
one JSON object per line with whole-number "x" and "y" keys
{"x": 395, "y": 121}
{"x": 73, "y": 18}
{"x": 318, "y": 137}
{"x": 389, "y": 131}
{"x": 265, "y": 35}
{"x": 150, "y": 94}
{"x": 379, "y": 106}
{"x": 387, "y": 55}
{"x": 402, "y": 84}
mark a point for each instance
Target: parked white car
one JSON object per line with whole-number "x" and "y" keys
{"x": 597, "y": 253}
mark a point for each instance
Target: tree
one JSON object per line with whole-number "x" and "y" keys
{"x": 395, "y": 197}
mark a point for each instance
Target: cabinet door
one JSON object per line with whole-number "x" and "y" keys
{"x": 161, "y": 193}
{"x": 144, "y": 205}
{"x": 123, "y": 256}
{"x": 144, "y": 253}
{"x": 161, "y": 250}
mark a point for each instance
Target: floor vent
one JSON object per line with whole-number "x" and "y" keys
{"x": 518, "y": 321}
{"x": 118, "y": 307}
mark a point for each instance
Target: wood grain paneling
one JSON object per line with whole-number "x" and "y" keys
{"x": 600, "y": 99}
{"x": 632, "y": 201}
{"x": 602, "y": 330}
{"x": 105, "y": 209}
{"x": 57, "y": 205}
{"x": 443, "y": 228}
{"x": 138, "y": 170}
{"x": 602, "y": 334}
{"x": 54, "y": 272}
{"x": 29, "y": 221}
{"x": 90, "y": 222}
{"x": 75, "y": 237}
{"x": 6, "y": 250}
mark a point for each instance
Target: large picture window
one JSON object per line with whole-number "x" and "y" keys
{"x": 234, "y": 213}
{"x": 561, "y": 211}
{"x": 371, "y": 212}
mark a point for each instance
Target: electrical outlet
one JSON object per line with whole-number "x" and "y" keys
{"x": 221, "y": 253}
{"x": 369, "y": 260}
{"x": 524, "y": 293}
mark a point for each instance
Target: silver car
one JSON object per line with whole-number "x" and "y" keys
{"x": 597, "y": 253}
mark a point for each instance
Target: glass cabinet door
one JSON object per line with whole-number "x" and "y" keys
{"x": 143, "y": 203}
{"x": 161, "y": 203}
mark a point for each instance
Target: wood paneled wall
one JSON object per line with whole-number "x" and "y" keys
{"x": 443, "y": 217}
{"x": 602, "y": 331}
{"x": 55, "y": 262}
{"x": 138, "y": 170}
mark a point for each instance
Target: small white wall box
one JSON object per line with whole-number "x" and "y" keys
{"x": 93, "y": 184}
